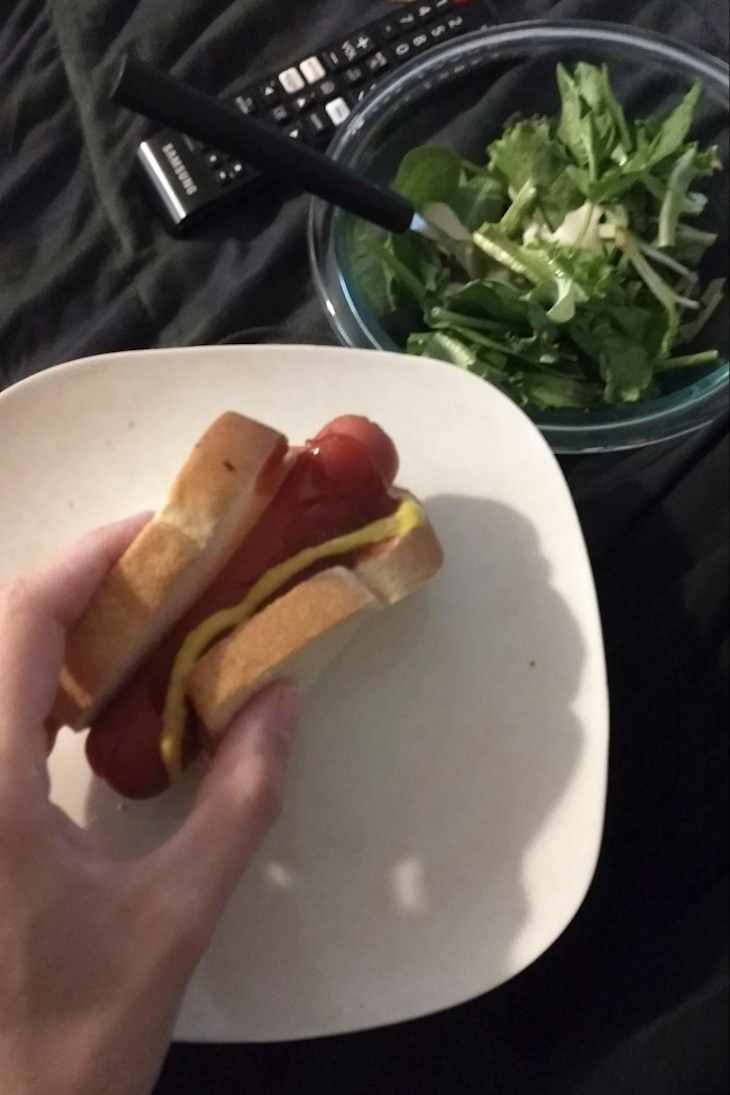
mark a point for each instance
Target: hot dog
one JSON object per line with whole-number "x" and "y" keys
{"x": 300, "y": 545}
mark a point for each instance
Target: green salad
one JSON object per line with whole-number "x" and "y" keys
{"x": 564, "y": 270}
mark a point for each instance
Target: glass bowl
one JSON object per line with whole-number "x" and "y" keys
{"x": 460, "y": 95}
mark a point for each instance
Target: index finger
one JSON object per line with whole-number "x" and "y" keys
{"x": 35, "y": 612}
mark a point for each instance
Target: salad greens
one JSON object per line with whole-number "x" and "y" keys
{"x": 564, "y": 270}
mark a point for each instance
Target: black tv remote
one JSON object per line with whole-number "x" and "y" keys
{"x": 309, "y": 100}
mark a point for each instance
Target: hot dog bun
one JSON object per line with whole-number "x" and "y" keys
{"x": 301, "y": 632}
{"x": 262, "y": 562}
{"x": 219, "y": 494}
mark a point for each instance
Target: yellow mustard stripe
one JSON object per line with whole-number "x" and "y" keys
{"x": 408, "y": 516}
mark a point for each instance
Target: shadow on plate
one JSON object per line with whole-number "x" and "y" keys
{"x": 430, "y": 758}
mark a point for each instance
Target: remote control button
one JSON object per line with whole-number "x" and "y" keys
{"x": 438, "y": 32}
{"x": 280, "y": 115}
{"x": 355, "y": 75}
{"x": 301, "y": 102}
{"x": 312, "y": 70}
{"x": 291, "y": 80}
{"x": 296, "y": 133}
{"x": 327, "y": 89}
{"x": 213, "y": 159}
{"x": 377, "y": 62}
{"x": 318, "y": 123}
{"x": 455, "y": 22}
{"x": 222, "y": 176}
{"x": 402, "y": 51}
{"x": 406, "y": 20}
{"x": 236, "y": 170}
{"x": 246, "y": 103}
{"x": 335, "y": 59}
{"x": 357, "y": 47}
{"x": 424, "y": 12}
{"x": 389, "y": 30}
{"x": 338, "y": 111}
{"x": 440, "y": 6}
{"x": 270, "y": 93}
{"x": 420, "y": 41}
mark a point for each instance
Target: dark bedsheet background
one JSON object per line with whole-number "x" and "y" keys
{"x": 633, "y": 998}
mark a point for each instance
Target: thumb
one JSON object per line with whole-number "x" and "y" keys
{"x": 238, "y": 801}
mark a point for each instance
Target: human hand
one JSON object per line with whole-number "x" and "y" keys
{"x": 95, "y": 953}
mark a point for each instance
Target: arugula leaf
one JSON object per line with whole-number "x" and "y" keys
{"x": 626, "y": 369}
{"x": 523, "y": 202}
{"x": 488, "y": 365}
{"x": 712, "y": 298}
{"x": 692, "y": 204}
{"x": 589, "y": 82}
{"x": 705, "y": 357}
{"x": 537, "y": 265}
{"x": 612, "y": 185}
{"x": 453, "y": 239}
{"x": 404, "y": 276}
{"x": 707, "y": 160}
{"x": 428, "y": 174}
{"x": 623, "y": 341}
{"x": 499, "y": 347}
{"x": 682, "y": 174}
{"x": 535, "y": 350}
{"x": 594, "y": 146}
{"x": 444, "y": 318}
{"x": 600, "y": 321}
{"x": 645, "y": 325}
{"x": 570, "y": 129}
{"x": 691, "y": 244}
{"x": 587, "y": 330}
{"x": 665, "y": 259}
{"x": 420, "y": 256}
{"x": 550, "y": 391}
{"x": 479, "y": 199}
{"x": 443, "y": 347}
{"x": 370, "y": 273}
{"x": 592, "y": 122}
{"x": 656, "y": 139}
{"x": 595, "y": 276}
{"x": 492, "y": 300}
{"x": 675, "y": 127}
{"x": 527, "y": 152}
{"x": 669, "y": 299}
{"x": 557, "y": 200}
{"x": 616, "y": 111}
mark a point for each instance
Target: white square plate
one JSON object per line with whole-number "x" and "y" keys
{"x": 446, "y": 801}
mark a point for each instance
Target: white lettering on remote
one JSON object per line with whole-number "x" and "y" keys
{"x": 181, "y": 171}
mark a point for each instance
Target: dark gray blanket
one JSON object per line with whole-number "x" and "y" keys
{"x": 633, "y": 998}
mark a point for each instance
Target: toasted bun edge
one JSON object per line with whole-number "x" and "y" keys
{"x": 218, "y": 495}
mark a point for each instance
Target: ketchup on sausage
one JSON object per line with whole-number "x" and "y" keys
{"x": 338, "y": 483}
